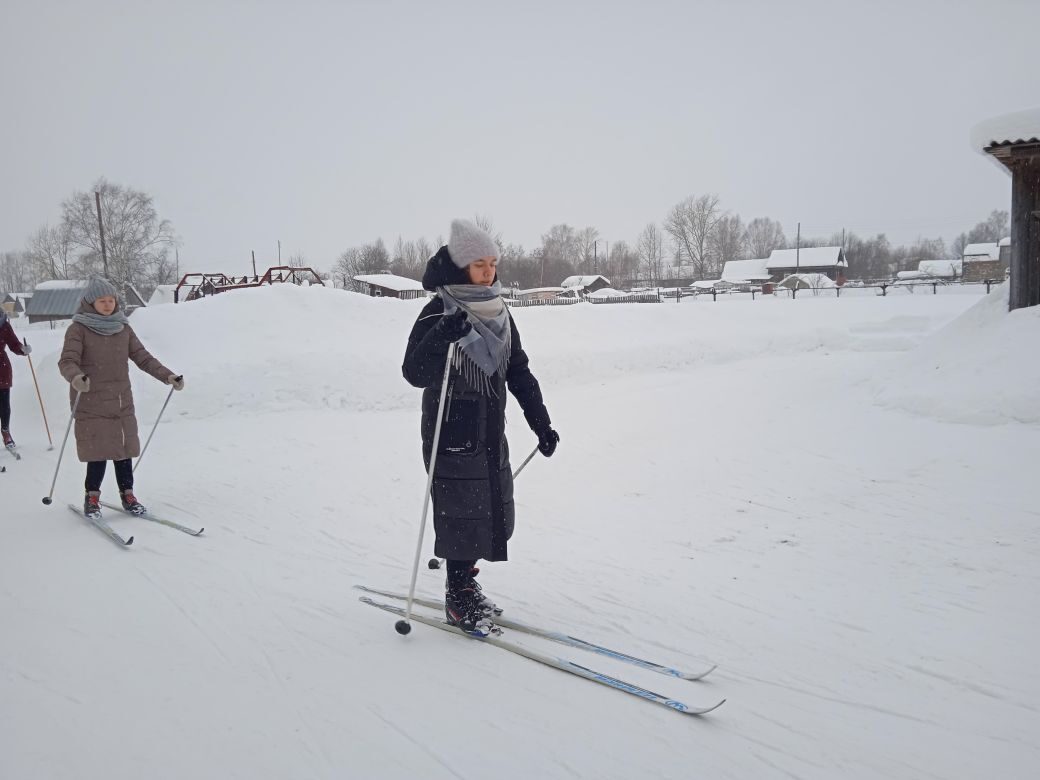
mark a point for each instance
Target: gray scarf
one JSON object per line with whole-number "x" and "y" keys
{"x": 484, "y": 351}
{"x": 103, "y": 326}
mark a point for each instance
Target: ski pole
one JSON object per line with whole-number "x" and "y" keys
{"x": 47, "y": 499}
{"x": 404, "y": 626}
{"x": 150, "y": 435}
{"x": 436, "y": 563}
{"x": 43, "y": 411}
{"x": 526, "y": 461}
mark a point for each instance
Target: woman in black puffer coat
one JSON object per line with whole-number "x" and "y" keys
{"x": 472, "y": 482}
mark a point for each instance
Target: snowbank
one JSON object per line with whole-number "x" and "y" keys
{"x": 979, "y": 369}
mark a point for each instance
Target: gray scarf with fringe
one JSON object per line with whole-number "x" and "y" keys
{"x": 485, "y": 350}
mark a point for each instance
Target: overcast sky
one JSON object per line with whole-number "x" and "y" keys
{"x": 330, "y": 124}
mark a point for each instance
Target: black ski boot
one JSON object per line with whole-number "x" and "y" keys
{"x": 131, "y": 504}
{"x": 92, "y": 505}
{"x": 8, "y": 441}
{"x": 462, "y": 607}
{"x": 489, "y": 607}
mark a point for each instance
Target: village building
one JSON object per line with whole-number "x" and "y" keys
{"x": 586, "y": 284}
{"x": 982, "y": 262}
{"x": 392, "y": 286}
{"x": 1013, "y": 141}
{"x": 60, "y": 299}
{"x": 827, "y": 260}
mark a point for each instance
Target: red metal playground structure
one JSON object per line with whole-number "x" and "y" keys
{"x": 194, "y": 286}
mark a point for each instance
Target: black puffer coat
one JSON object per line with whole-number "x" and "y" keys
{"x": 472, "y": 482}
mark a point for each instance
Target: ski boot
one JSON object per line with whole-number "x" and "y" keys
{"x": 92, "y": 505}
{"x": 8, "y": 441}
{"x": 489, "y": 607}
{"x": 462, "y": 608}
{"x": 131, "y": 504}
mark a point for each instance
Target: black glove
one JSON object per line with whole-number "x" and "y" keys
{"x": 453, "y": 327}
{"x": 547, "y": 441}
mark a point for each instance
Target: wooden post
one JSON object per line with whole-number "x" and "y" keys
{"x": 1025, "y": 231}
{"x": 254, "y": 265}
{"x": 101, "y": 229}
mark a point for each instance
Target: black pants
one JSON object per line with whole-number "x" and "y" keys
{"x": 459, "y": 572}
{"x": 5, "y": 409}
{"x": 96, "y": 473}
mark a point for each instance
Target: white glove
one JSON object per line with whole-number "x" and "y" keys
{"x": 26, "y": 350}
{"x": 81, "y": 383}
{"x": 176, "y": 381}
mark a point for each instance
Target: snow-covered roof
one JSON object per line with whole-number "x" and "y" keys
{"x": 389, "y": 282}
{"x": 62, "y": 284}
{"x": 746, "y": 270}
{"x": 162, "y": 294}
{"x": 943, "y": 269}
{"x": 1005, "y": 241}
{"x": 975, "y": 251}
{"x": 608, "y": 292}
{"x": 706, "y": 284}
{"x": 808, "y": 281}
{"x": 536, "y": 290}
{"x": 809, "y": 257}
{"x": 583, "y": 281}
{"x": 1016, "y": 128}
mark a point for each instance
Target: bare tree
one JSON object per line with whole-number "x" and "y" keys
{"x": 763, "y": 235}
{"x": 136, "y": 239}
{"x": 729, "y": 240}
{"x": 16, "y": 272}
{"x": 51, "y": 252}
{"x": 991, "y": 229}
{"x": 558, "y": 253}
{"x": 360, "y": 260}
{"x": 623, "y": 264}
{"x": 587, "y": 256}
{"x": 691, "y": 224}
{"x": 649, "y": 247}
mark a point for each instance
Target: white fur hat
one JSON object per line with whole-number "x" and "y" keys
{"x": 469, "y": 243}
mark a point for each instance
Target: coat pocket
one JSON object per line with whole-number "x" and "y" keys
{"x": 460, "y": 433}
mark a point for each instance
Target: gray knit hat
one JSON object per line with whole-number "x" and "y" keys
{"x": 469, "y": 243}
{"x": 99, "y": 287}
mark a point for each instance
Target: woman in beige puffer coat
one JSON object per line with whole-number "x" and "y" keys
{"x": 97, "y": 347}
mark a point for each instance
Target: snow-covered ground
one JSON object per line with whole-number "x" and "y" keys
{"x": 833, "y": 499}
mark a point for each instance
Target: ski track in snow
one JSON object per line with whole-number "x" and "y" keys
{"x": 790, "y": 489}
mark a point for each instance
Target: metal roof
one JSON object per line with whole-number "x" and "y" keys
{"x": 52, "y": 300}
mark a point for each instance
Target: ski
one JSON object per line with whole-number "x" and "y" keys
{"x": 154, "y": 519}
{"x": 562, "y": 664}
{"x": 557, "y": 636}
{"x": 104, "y": 527}
{"x": 14, "y": 452}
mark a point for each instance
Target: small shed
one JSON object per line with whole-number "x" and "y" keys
{"x": 586, "y": 284}
{"x": 11, "y": 304}
{"x": 1013, "y": 140}
{"x": 827, "y": 260}
{"x": 392, "y": 286}
{"x": 982, "y": 262}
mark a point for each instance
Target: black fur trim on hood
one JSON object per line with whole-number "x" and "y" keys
{"x": 441, "y": 271}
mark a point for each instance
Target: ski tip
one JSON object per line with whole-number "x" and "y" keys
{"x": 706, "y": 710}
{"x": 128, "y": 542}
{"x": 199, "y": 532}
{"x": 693, "y": 677}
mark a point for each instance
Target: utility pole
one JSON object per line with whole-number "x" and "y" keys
{"x": 101, "y": 229}
{"x": 798, "y": 251}
{"x": 254, "y": 263}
